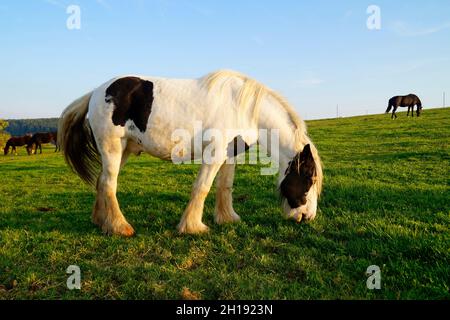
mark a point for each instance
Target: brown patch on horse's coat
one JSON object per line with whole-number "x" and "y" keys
{"x": 133, "y": 98}
{"x": 299, "y": 178}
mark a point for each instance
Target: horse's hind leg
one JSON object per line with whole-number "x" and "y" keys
{"x": 393, "y": 113}
{"x": 191, "y": 221}
{"x": 224, "y": 212}
{"x": 106, "y": 211}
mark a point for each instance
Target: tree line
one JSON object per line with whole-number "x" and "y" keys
{"x": 21, "y": 127}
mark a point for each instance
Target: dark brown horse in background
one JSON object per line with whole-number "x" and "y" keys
{"x": 409, "y": 101}
{"x": 14, "y": 142}
{"x": 39, "y": 138}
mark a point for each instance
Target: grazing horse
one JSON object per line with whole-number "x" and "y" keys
{"x": 409, "y": 101}
{"x": 134, "y": 114}
{"x": 16, "y": 142}
{"x": 39, "y": 138}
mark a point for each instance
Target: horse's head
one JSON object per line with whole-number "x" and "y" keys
{"x": 300, "y": 187}
{"x": 419, "y": 109}
{"x": 6, "y": 149}
{"x": 29, "y": 148}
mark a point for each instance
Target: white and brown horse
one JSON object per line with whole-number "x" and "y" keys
{"x": 133, "y": 114}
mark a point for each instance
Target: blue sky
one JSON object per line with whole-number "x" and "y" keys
{"x": 316, "y": 53}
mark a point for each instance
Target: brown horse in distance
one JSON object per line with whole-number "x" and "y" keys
{"x": 409, "y": 101}
{"x": 39, "y": 138}
{"x": 14, "y": 142}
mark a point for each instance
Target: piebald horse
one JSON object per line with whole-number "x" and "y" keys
{"x": 134, "y": 114}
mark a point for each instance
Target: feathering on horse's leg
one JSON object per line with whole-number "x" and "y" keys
{"x": 191, "y": 221}
{"x": 107, "y": 213}
{"x": 224, "y": 212}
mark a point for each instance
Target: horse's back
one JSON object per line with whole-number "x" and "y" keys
{"x": 411, "y": 100}
{"x": 396, "y": 100}
{"x": 143, "y": 109}
{"x": 404, "y": 101}
{"x": 414, "y": 97}
{"x": 148, "y": 110}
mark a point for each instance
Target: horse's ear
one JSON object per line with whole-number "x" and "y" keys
{"x": 307, "y": 160}
{"x": 306, "y": 154}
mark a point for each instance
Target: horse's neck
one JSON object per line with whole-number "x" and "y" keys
{"x": 274, "y": 118}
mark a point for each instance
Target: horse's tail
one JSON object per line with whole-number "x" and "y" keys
{"x": 76, "y": 140}
{"x": 389, "y": 107}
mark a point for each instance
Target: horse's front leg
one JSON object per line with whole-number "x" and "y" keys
{"x": 191, "y": 221}
{"x": 224, "y": 212}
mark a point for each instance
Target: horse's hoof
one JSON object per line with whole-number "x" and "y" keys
{"x": 184, "y": 228}
{"x": 123, "y": 230}
{"x": 127, "y": 231}
{"x": 226, "y": 218}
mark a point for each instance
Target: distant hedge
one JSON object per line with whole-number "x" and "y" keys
{"x": 19, "y": 127}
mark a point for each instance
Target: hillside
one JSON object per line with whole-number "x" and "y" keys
{"x": 385, "y": 203}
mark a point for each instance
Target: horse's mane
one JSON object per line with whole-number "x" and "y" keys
{"x": 253, "y": 90}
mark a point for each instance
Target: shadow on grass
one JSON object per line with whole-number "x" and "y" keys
{"x": 393, "y": 156}
{"x": 71, "y": 211}
{"x": 20, "y": 168}
{"x": 263, "y": 248}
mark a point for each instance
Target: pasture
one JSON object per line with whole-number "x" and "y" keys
{"x": 386, "y": 202}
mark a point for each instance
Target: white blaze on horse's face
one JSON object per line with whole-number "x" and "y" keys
{"x": 306, "y": 212}
{"x": 299, "y": 187}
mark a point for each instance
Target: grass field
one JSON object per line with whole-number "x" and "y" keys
{"x": 386, "y": 202}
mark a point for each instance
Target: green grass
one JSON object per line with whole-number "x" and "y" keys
{"x": 385, "y": 202}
